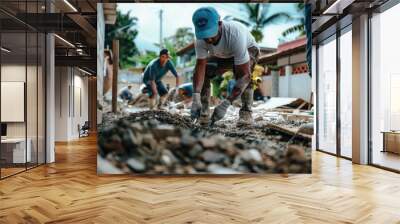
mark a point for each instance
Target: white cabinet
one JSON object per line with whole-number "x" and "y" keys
{"x": 18, "y": 149}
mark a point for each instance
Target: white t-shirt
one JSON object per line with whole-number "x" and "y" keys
{"x": 234, "y": 42}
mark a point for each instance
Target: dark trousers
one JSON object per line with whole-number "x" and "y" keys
{"x": 218, "y": 66}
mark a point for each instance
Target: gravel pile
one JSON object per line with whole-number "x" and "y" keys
{"x": 157, "y": 142}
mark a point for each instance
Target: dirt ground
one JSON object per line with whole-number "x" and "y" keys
{"x": 160, "y": 142}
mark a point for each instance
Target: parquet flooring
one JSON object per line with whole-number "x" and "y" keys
{"x": 69, "y": 191}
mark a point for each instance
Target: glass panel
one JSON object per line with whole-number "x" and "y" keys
{"x": 346, "y": 94}
{"x": 41, "y": 99}
{"x": 385, "y": 85}
{"x": 13, "y": 77}
{"x": 23, "y": 87}
{"x": 32, "y": 87}
{"x": 31, "y": 97}
{"x": 327, "y": 97}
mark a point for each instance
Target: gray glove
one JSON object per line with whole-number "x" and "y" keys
{"x": 220, "y": 110}
{"x": 196, "y": 106}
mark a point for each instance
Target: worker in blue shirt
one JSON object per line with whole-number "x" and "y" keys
{"x": 184, "y": 93}
{"x": 186, "y": 89}
{"x": 126, "y": 94}
{"x": 152, "y": 76}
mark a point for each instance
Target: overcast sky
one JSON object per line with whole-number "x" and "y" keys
{"x": 176, "y": 15}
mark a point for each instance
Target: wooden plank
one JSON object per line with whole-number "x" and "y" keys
{"x": 289, "y": 131}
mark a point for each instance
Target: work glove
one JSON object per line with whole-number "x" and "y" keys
{"x": 196, "y": 106}
{"x": 220, "y": 111}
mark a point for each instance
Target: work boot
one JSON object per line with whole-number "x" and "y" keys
{"x": 245, "y": 117}
{"x": 162, "y": 102}
{"x": 204, "y": 118}
{"x": 152, "y": 103}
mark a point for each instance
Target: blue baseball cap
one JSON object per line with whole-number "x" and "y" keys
{"x": 205, "y": 22}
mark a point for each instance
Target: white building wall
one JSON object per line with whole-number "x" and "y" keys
{"x": 294, "y": 86}
{"x": 300, "y": 86}
{"x": 284, "y": 86}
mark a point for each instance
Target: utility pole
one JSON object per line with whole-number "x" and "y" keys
{"x": 161, "y": 35}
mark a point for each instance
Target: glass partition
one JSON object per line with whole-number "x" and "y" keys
{"x": 385, "y": 89}
{"x": 346, "y": 93}
{"x": 13, "y": 93}
{"x": 22, "y": 78}
{"x": 327, "y": 96}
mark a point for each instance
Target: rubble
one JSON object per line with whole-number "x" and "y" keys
{"x": 158, "y": 142}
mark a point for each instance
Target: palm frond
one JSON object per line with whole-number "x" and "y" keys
{"x": 230, "y": 18}
{"x": 294, "y": 29}
{"x": 275, "y": 18}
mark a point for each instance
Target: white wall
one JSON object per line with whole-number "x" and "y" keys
{"x": 71, "y": 94}
{"x": 267, "y": 84}
{"x": 294, "y": 86}
{"x": 300, "y": 86}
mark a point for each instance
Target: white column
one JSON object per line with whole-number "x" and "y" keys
{"x": 360, "y": 90}
{"x": 314, "y": 91}
{"x": 288, "y": 76}
{"x": 275, "y": 83}
{"x": 50, "y": 101}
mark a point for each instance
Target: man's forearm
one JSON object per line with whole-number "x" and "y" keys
{"x": 242, "y": 81}
{"x": 153, "y": 88}
{"x": 198, "y": 76}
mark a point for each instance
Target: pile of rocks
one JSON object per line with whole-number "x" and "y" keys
{"x": 157, "y": 142}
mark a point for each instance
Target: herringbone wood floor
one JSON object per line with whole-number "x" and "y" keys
{"x": 69, "y": 191}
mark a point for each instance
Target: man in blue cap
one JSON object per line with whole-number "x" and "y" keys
{"x": 222, "y": 46}
{"x": 152, "y": 76}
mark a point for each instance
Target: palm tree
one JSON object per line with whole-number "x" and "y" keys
{"x": 258, "y": 17}
{"x": 298, "y": 28}
{"x": 183, "y": 36}
{"x": 125, "y": 31}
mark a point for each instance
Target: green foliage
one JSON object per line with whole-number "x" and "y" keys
{"x": 183, "y": 37}
{"x": 299, "y": 28}
{"x": 145, "y": 59}
{"x": 172, "y": 51}
{"x": 123, "y": 30}
{"x": 273, "y": 67}
{"x": 258, "y": 17}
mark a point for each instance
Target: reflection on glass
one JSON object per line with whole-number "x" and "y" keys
{"x": 327, "y": 97}
{"x": 23, "y": 88}
{"x": 13, "y": 79}
{"x": 346, "y": 94}
{"x": 31, "y": 97}
{"x": 41, "y": 99}
{"x": 385, "y": 83}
